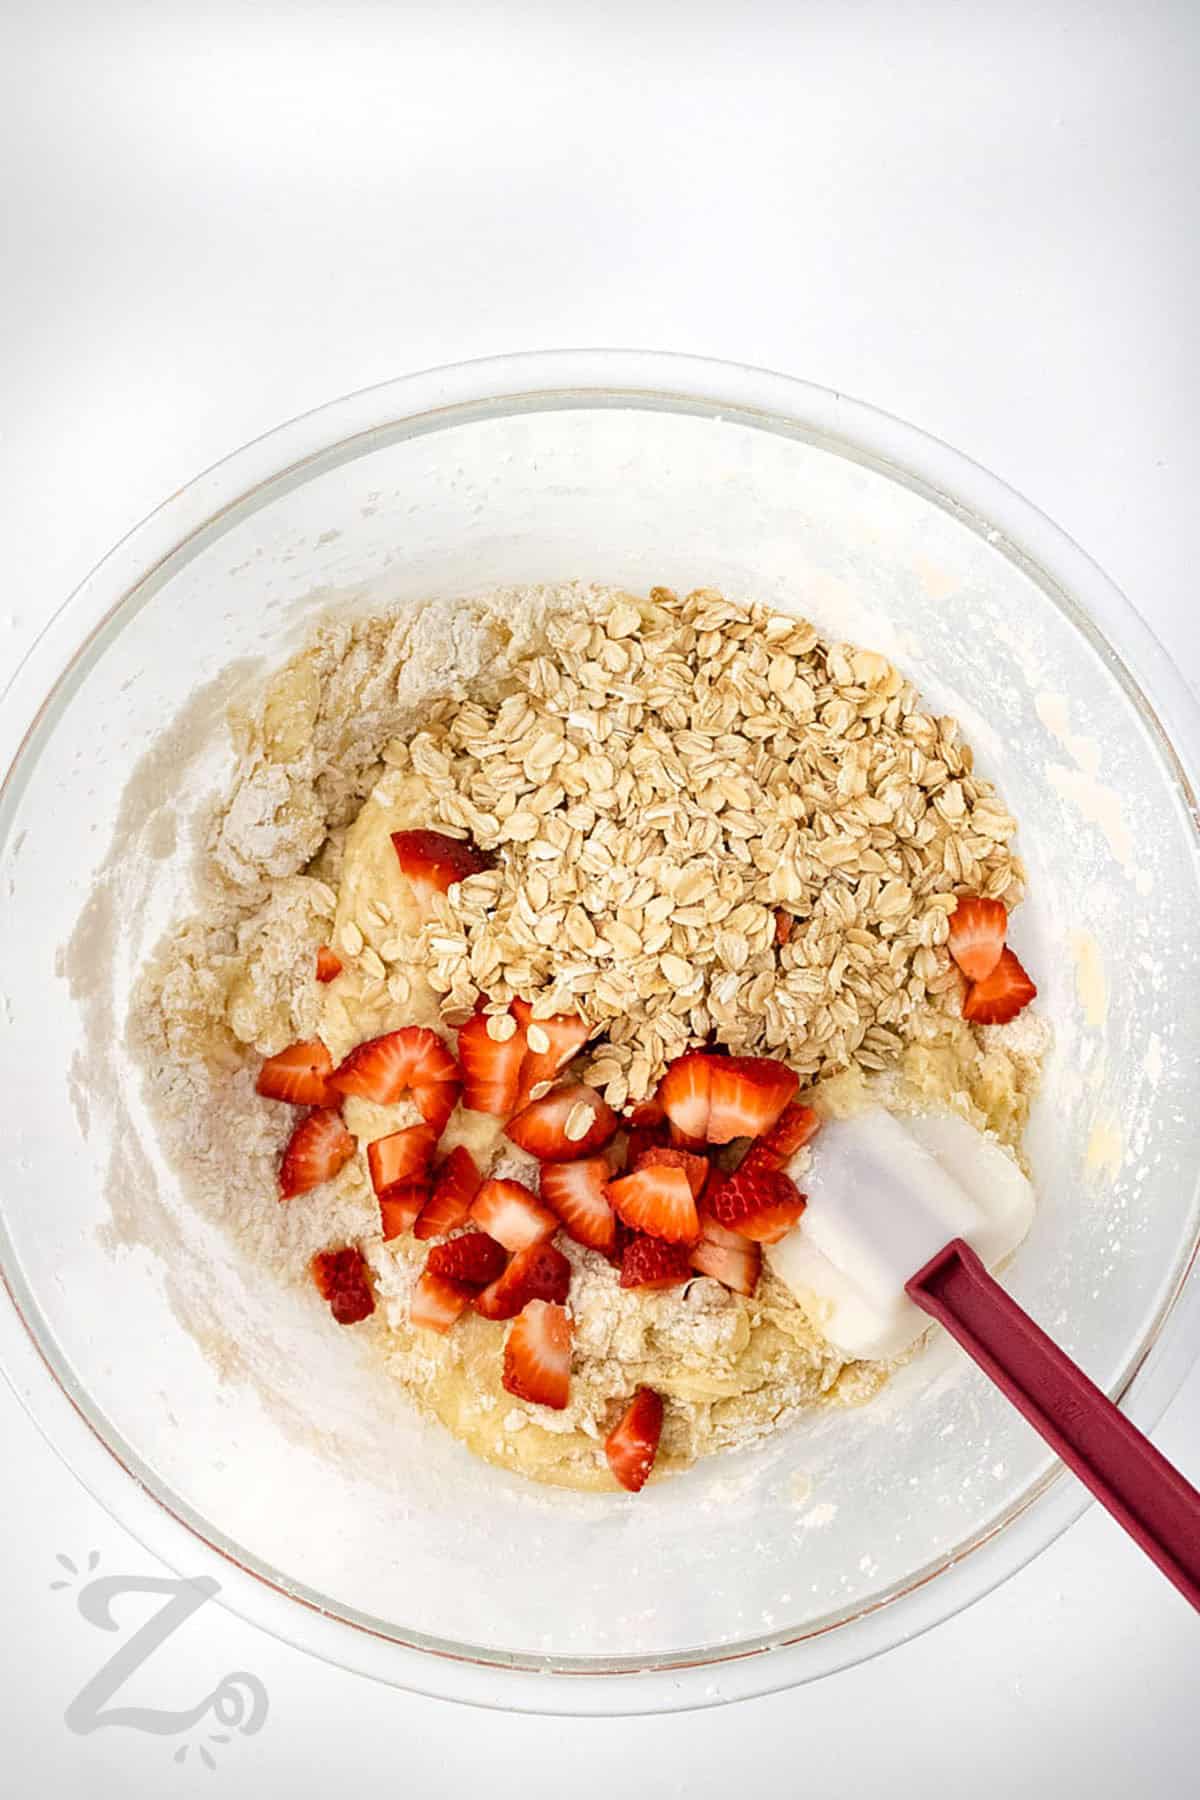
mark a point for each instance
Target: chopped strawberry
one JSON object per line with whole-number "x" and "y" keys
{"x": 1005, "y": 993}
{"x": 402, "y": 1156}
{"x": 414, "y": 1060}
{"x": 632, "y": 1444}
{"x": 650, "y": 1263}
{"x": 576, "y": 1192}
{"x": 540, "y": 1272}
{"x": 696, "y": 1168}
{"x": 570, "y": 1122}
{"x": 760, "y": 1158}
{"x": 783, "y": 925}
{"x": 718, "y": 1098}
{"x": 659, "y": 1201}
{"x": 300, "y": 1075}
{"x": 401, "y": 1206}
{"x": 454, "y": 1188}
{"x": 436, "y": 1302}
{"x": 791, "y": 1131}
{"x": 329, "y": 963}
{"x": 537, "y": 1355}
{"x": 551, "y": 1043}
{"x": 316, "y": 1150}
{"x": 748, "y": 1095}
{"x": 761, "y": 1204}
{"x": 736, "y": 1263}
{"x": 434, "y": 862}
{"x": 684, "y": 1093}
{"x": 491, "y": 1067}
{"x": 645, "y": 1115}
{"x": 978, "y": 928}
{"x": 475, "y": 1259}
{"x": 510, "y": 1213}
{"x": 341, "y": 1278}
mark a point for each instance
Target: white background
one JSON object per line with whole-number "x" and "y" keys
{"x": 980, "y": 217}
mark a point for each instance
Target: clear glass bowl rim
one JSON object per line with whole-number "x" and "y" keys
{"x": 246, "y": 480}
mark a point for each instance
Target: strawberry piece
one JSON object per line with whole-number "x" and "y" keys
{"x": 696, "y": 1168}
{"x": 760, "y": 1203}
{"x": 329, "y": 963}
{"x": 554, "y": 1042}
{"x": 414, "y": 1060}
{"x": 475, "y": 1259}
{"x": 646, "y": 1114}
{"x": 436, "y": 1302}
{"x": 341, "y": 1278}
{"x": 576, "y": 1192}
{"x": 727, "y": 1256}
{"x": 433, "y": 862}
{"x": 978, "y": 928}
{"x": 747, "y": 1095}
{"x": 684, "y": 1093}
{"x": 402, "y": 1156}
{"x": 650, "y": 1263}
{"x": 1005, "y": 993}
{"x": 760, "y": 1158}
{"x": 540, "y": 1272}
{"x": 783, "y": 925}
{"x": 537, "y": 1355}
{"x": 510, "y": 1213}
{"x": 454, "y": 1189}
{"x": 300, "y": 1075}
{"x": 558, "y": 1128}
{"x": 659, "y": 1201}
{"x": 632, "y": 1444}
{"x": 791, "y": 1131}
{"x": 491, "y": 1070}
{"x": 316, "y": 1150}
{"x": 401, "y": 1206}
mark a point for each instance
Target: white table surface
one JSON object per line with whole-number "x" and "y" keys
{"x": 980, "y": 218}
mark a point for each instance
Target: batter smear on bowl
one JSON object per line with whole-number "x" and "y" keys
{"x": 538, "y": 935}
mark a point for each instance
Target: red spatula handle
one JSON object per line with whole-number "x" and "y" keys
{"x": 1157, "y": 1507}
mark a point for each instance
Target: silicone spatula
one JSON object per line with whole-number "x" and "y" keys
{"x": 902, "y": 1220}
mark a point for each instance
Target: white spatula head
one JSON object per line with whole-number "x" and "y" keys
{"x": 884, "y": 1195}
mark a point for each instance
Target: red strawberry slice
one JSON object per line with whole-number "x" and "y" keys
{"x": 632, "y": 1444}
{"x": 727, "y": 1256}
{"x": 414, "y": 1060}
{"x": 761, "y": 1204}
{"x": 760, "y": 1158}
{"x": 791, "y": 1131}
{"x": 540, "y": 1272}
{"x": 341, "y": 1278}
{"x": 1005, "y": 993}
{"x": 650, "y": 1263}
{"x": 747, "y": 1096}
{"x": 646, "y": 1114}
{"x": 316, "y": 1150}
{"x": 402, "y": 1156}
{"x": 436, "y": 1303}
{"x": 783, "y": 926}
{"x": 455, "y": 1187}
{"x": 571, "y": 1122}
{"x": 696, "y": 1168}
{"x": 978, "y": 928}
{"x": 300, "y": 1075}
{"x": 475, "y": 1259}
{"x": 537, "y": 1355}
{"x": 491, "y": 1069}
{"x": 401, "y": 1206}
{"x": 684, "y": 1093}
{"x": 329, "y": 963}
{"x": 554, "y": 1041}
{"x": 576, "y": 1192}
{"x": 510, "y": 1213}
{"x": 659, "y": 1201}
{"x": 433, "y": 862}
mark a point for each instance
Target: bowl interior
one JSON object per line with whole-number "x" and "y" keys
{"x": 268, "y": 1433}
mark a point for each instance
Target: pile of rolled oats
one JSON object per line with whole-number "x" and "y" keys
{"x": 663, "y": 784}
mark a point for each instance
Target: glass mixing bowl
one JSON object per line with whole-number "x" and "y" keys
{"x": 200, "y": 1403}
